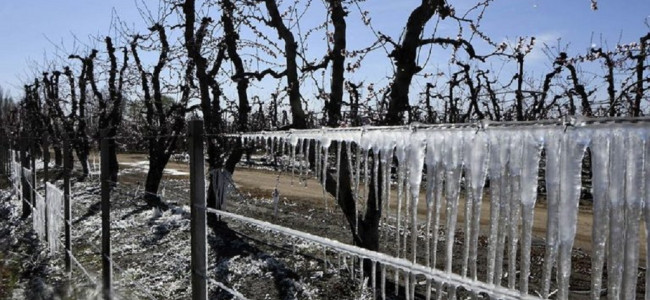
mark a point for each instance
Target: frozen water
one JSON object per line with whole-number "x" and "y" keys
{"x": 460, "y": 160}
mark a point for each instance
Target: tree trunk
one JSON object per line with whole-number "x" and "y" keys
{"x": 405, "y": 64}
{"x": 291, "y": 54}
{"x": 112, "y": 157}
{"x": 338, "y": 63}
{"x": 58, "y": 156}
{"x": 83, "y": 160}
{"x": 157, "y": 165}
{"x": 24, "y": 163}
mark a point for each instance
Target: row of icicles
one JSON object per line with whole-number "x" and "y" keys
{"x": 451, "y": 160}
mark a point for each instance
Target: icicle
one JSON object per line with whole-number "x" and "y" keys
{"x": 453, "y": 167}
{"x": 478, "y": 171}
{"x": 292, "y": 160}
{"x": 515, "y": 167}
{"x": 647, "y": 210}
{"x": 375, "y": 164}
{"x": 495, "y": 172}
{"x": 400, "y": 181}
{"x": 571, "y": 162}
{"x": 374, "y": 279}
{"x": 469, "y": 203}
{"x": 383, "y": 281}
{"x": 415, "y": 165}
{"x": 366, "y": 176}
{"x": 307, "y": 170}
{"x": 326, "y": 145}
{"x": 301, "y": 159}
{"x": 348, "y": 154}
{"x": 386, "y": 162}
{"x": 357, "y": 199}
{"x": 553, "y": 152}
{"x": 407, "y": 210}
{"x": 600, "y": 183}
{"x": 437, "y": 206}
{"x": 272, "y": 158}
{"x": 352, "y": 267}
{"x": 267, "y": 149}
{"x": 430, "y": 185}
{"x": 317, "y": 150}
{"x": 633, "y": 207}
{"x": 407, "y": 286}
{"x": 339, "y": 145}
{"x": 503, "y": 215}
{"x": 531, "y": 155}
{"x": 382, "y": 163}
{"x": 357, "y": 177}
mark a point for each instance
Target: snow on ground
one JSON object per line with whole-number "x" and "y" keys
{"x": 143, "y": 166}
{"x": 151, "y": 252}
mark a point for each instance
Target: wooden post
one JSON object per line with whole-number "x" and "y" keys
{"x": 46, "y": 157}
{"x": 198, "y": 218}
{"x": 24, "y": 163}
{"x": 67, "y": 168}
{"x": 32, "y": 155}
{"x": 46, "y": 161}
{"x": 106, "y": 218}
{"x": 3, "y": 154}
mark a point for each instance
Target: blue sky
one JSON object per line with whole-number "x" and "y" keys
{"x": 30, "y": 27}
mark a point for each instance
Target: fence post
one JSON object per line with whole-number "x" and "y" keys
{"x": 198, "y": 218}
{"x": 24, "y": 163}
{"x": 66, "y": 204}
{"x": 46, "y": 161}
{"x": 3, "y": 154}
{"x": 106, "y": 218}
{"x": 32, "y": 155}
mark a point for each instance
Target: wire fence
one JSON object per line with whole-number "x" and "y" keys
{"x": 449, "y": 158}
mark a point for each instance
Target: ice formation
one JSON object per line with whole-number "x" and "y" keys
{"x": 453, "y": 167}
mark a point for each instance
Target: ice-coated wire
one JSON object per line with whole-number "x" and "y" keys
{"x": 235, "y": 293}
{"x": 116, "y": 266}
{"x": 397, "y": 263}
{"x": 81, "y": 267}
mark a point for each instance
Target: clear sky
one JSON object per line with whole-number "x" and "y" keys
{"x": 30, "y": 29}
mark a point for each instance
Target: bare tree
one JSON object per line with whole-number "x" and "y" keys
{"x": 164, "y": 121}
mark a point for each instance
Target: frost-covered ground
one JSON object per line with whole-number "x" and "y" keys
{"x": 151, "y": 252}
{"x": 151, "y": 249}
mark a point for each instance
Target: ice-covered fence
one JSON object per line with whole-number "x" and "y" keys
{"x": 47, "y": 212}
{"x": 54, "y": 217}
{"x": 38, "y": 216}
{"x": 15, "y": 176}
{"x": 508, "y": 154}
{"x": 449, "y": 280}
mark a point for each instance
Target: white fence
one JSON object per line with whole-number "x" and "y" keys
{"x": 47, "y": 209}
